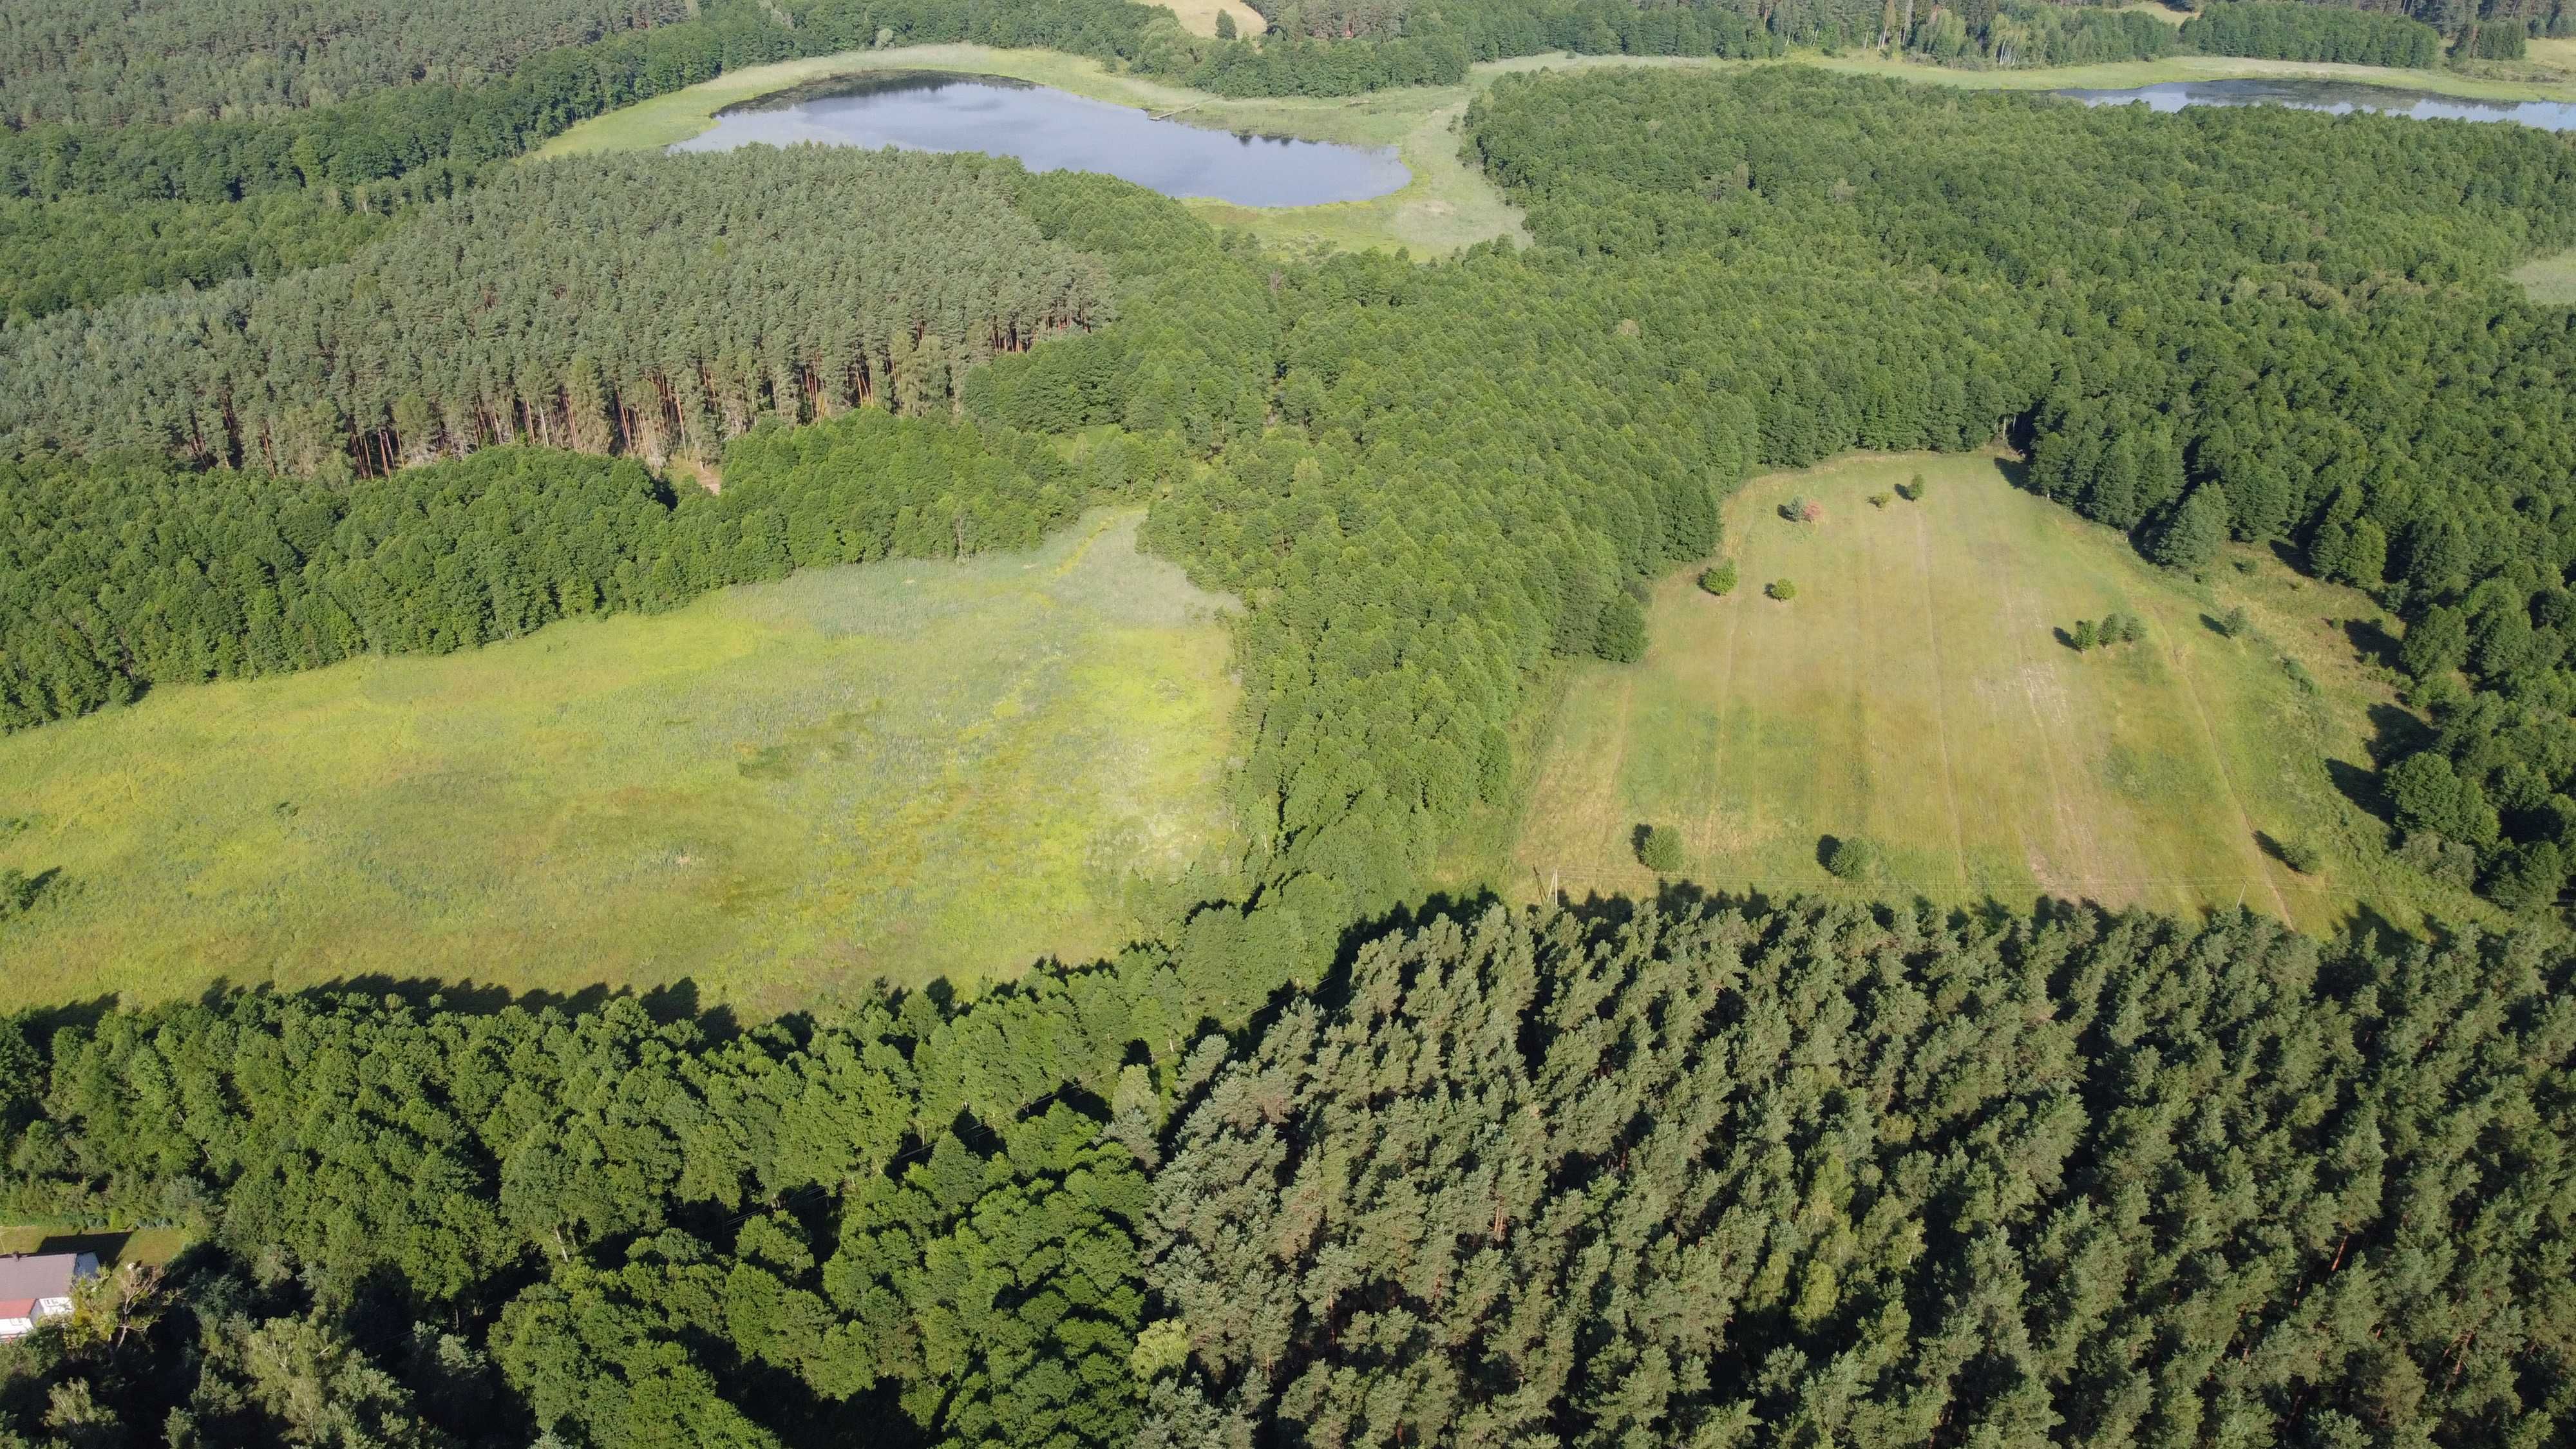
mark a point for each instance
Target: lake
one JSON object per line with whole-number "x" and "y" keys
{"x": 1049, "y": 130}
{"x": 2338, "y": 97}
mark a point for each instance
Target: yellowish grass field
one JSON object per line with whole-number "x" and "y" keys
{"x": 139, "y": 1245}
{"x": 1916, "y": 693}
{"x": 899, "y": 770}
{"x": 2550, "y": 281}
{"x": 1198, "y": 17}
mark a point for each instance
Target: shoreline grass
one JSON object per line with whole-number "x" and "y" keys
{"x": 1448, "y": 205}
{"x": 900, "y": 771}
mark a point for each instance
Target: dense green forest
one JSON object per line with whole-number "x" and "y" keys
{"x": 2289, "y": 31}
{"x": 640, "y": 304}
{"x": 1716, "y": 1175}
{"x": 59, "y": 255}
{"x": 116, "y": 63}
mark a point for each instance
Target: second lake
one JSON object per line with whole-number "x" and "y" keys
{"x": 1050, "y": 130}
{"x": 2339, "y": 97}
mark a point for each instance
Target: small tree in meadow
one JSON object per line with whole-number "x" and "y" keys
{"x": 1911, "y": 492}
{"x": 1660, "y": 850}
{"x": 2083, "y": 636}
{"x": 1719, "y": 580}
{"x": 1781, "y": 589}
{"x": 1852, "y": 858}
{"x": 2233, "y": 622}
{"x": 2302, "y": 857}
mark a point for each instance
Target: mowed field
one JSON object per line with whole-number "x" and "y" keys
{"x": 906, "y": 770}
{"x": 2550, "y": 281}
{"x": 1916, "y": 693}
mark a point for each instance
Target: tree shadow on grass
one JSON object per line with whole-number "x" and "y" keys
{"x": 2371, "y": 644}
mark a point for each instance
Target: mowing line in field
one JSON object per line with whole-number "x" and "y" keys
{"x": 1734, "y": 603}
{"x": 2218, "y": 763}
{"x": 2078, "y": 862}
{"x": 1940, "y": 685}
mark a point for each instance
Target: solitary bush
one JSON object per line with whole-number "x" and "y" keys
{"x": 18, "y": 893}
{"x": 1911, "y": 492}
{"x": 2233, "y": 622}
{"x": 1661, "y": 849}
{"x": 2300, "y": 856}
{"x": 1852, "y": 858}
{"x": 2082, "y": 636}
{"x": 1781, "y": 589}
{"x": 1878, "y": 500}
{"x": 1719, "y": 580}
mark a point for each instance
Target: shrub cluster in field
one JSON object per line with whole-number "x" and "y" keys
{"x": 2114, "y": 628}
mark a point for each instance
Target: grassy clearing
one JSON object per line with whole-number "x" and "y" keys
{"x": 2550, "y": 281}
{"x": 153, "y": 1246}
{"x": 1198, "y": 17}
{"x": 903, "y": 770}
{"x": 1915, "y": 693}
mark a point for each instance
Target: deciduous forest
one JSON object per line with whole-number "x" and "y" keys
{"x": 1330, "y": 1157}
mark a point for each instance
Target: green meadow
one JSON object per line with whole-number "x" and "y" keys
{"x": 904, "y": 770}
{"x": 2550, "y": 281}
{"x": 1916, "y": 692}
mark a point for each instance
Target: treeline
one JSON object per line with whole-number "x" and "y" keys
{"x": 1710, "y": 1175}
{"x": 108, "y": 63}
{"x": 59, "y": 255}
{"x": 647, "y": 305}
{"x": 2012, "y": 34}
{"x": 409, "y": 143}
{"x": 126, "y": 573}
{"x": 431, "y": 139}
{"x": 2493, "y": 29}
{"x": 2280, "y": 30}
{"x": 128, "y": 570}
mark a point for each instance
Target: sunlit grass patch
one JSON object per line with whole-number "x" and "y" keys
{"x": 1919, "y": 692}
{"x": 904, "y": 770}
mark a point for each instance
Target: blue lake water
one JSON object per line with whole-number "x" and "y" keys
{"x": 1049, "y": 130}
{"x": 2339, "y": 97}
